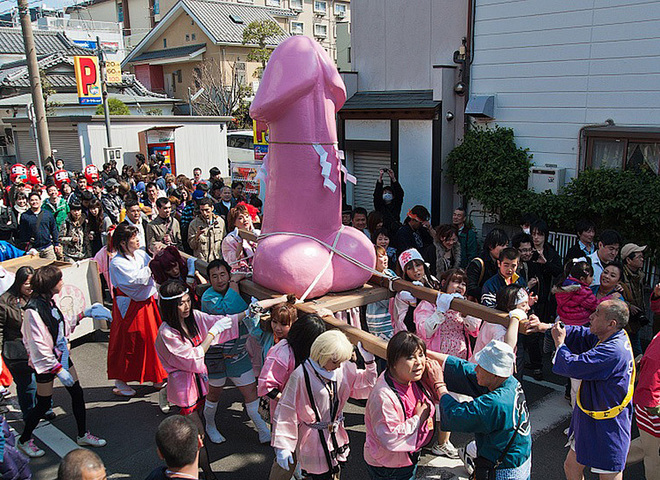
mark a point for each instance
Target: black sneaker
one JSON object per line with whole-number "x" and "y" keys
{"x": 50, "y": 415}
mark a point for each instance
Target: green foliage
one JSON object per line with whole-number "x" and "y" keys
{"x": 490, "y": 168}
{"x": 242, "y": 119}
{"x": 258, "y": 33}
{"x": 154, "y": 111}
{"x": 116, "y": 107}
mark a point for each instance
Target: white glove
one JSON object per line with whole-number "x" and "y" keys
{"x": 432, "y": 323}
{"x": 367, "y": 356}
{"x": 65, "y": 377}
{"x": 32, "y": 251}
{"x": 518, "y": 313}
{"x": 99, "y": 312}
{"x": 191, "y": 266}
{"x": 221, "y": 325}
{"x": 443, "y": 302}
{"x": 418, "y": 283}
{"x": 284, "y": 458}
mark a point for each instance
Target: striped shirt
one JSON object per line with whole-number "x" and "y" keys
{"x": 648, "y": 422}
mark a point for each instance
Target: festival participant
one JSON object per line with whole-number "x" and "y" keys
{"x": 309, "y": 418}
{"x": 135, "y": 317}
{"x": 416, "y": 231}
{"x": 230, "y": 359}
{"x": 413, "y": 269}
{"x": 610, "y": 286}
{"x": 67, "y": 192}
{"x": 179, "y": 443}
{"x": 74, "y": 236}
{"x": 374, "y": 224}
{"x": 56, "y": 205}
{"x": 91, "y": 175}
{"x": 81, "y": 464}
{"x": 206, "y": 232}
{"x": 399, "y": 412}
{"x": 45, "y": 335}
{"x": 484, "y": 266}
{"x": 280, "y": 362}
{"x": 609, "y": 242}
{"x": 111, "y": 200}
{"x": 379, "y": 320}
{"x": 447, "y": 331}
{"x": 224, "y": 205}
{"x": 382, "y": 238}
{"x": 183, "y": 338}
{"x": 601, "y": 356}
{"x": 8, "y": 222}
{"x": 98, "y": 226}
{"x": 237, "y": 252}
{"x": 507, "y": 265}
{"x": 646, "y": 402}
{"x": 276, "y": 328}
{"x": 586, "y": 231}
{"x": 388, "y": 200}
{"x": 497, "y": 415}
{"x": 446, "y": 253}
{"x": 467, "y": 237}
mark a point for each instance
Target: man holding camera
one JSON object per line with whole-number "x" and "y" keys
{"x": 206, "y": 232}
{"x": 388, "y": 201}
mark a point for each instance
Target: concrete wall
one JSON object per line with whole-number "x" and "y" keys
{"x": 395, "y": 43}
{"x": 557, "y": 66}
{"x": 415, "y": 150}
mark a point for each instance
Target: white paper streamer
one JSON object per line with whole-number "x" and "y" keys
{"x": 262, "y": 171}
{"x": 326, "y": 167}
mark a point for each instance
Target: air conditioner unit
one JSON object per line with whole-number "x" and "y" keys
{"x": 340, "y": 14}
{"x": 546, "y": 178}
{"x": 113, "y": 153}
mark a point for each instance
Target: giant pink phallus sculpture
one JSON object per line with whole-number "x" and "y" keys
{"x": 298, "y": 97}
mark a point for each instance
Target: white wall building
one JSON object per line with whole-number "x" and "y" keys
{"x": 80, "y": 140}
{"x": 555, "y": 67}
{"x": 402, "y": 111}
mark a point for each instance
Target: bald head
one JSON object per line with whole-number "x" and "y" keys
{"x": 81, "y": 464}
{"x": 616, "y": 310}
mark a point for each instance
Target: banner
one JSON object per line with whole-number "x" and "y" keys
{"x": 88, "y": 80}
{"x": 246, "y": 173}
{"x": 260, "y": 134}
{"x": 113, "y": 72}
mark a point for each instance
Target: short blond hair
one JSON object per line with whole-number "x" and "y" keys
{"x": 331, "y": 345}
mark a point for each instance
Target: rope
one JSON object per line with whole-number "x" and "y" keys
{"x": 323, "y": 270}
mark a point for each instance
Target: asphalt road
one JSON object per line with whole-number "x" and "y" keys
{"x": 129, "y": 426}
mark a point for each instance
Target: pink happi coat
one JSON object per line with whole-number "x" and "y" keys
{"x": 294, "y": 413}
{"x": 182, "y": 360}
{"x": 451, "y": 335}
{"x": 275, "y": 373}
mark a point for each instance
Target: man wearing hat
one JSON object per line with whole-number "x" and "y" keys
{"x": 601, "y": 356}
{"x": 632, "y": 256}
{"x": 497, "y": 414}
{"x": 111, "y": 200}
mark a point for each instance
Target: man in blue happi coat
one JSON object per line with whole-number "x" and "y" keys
{"x": 601, "y": 357}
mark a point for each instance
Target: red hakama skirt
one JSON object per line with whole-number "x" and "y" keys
{"x": 5, "y": 377}
{"x": 131, "y": 349}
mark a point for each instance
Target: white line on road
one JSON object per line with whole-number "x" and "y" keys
{"x": 55, "y": 439}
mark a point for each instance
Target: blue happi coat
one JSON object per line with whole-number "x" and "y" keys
{"x": 605, "y": 369}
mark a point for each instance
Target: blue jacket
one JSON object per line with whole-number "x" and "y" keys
{"x": 496, "y": 283}
{"x": 46, "y": 236}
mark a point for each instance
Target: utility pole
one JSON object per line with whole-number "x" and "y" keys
{"x": 35, "y": 82}
{"x": 104, "y": 90}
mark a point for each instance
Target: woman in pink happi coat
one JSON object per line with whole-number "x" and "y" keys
{"x": 311, "y": 425}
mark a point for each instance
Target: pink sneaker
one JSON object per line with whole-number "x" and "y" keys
{"x": 30, "y": 449}
{"x": 91, "y": 440}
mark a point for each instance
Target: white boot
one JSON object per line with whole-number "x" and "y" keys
{"x": 262, "y": 427}
{"x": 209, "y": 415}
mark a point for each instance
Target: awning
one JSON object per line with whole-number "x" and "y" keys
{"x": 391, "y": 104}
{"x": 170, "y": 55}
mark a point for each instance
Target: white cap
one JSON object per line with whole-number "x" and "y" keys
{"x": 497, "y": 358}
{"x": 408, "y": 256}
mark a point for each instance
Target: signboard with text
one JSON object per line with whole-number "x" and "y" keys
{"x": 260, "y": 134}
{"x": 88, "y": 80}
{"x": 113, "y": 72}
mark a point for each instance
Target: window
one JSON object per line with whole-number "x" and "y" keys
{"x": 623, "y": 148}
{"x": 320, "y": 30}
{"x": 120, "y": 12}
{"x": 240, "y": 73}
{"x": 187, "y": 37}
{"x": 320, "y": 7}
{"x": 193, "y": 37}
{"x": 296, "y": 5}
{"x": 274, "y": 3}
{"x": 297, "y": 28}
{"x": 197, "y": 77}
{"x": 340, "y": 9}
{"x": 164, "y": 42}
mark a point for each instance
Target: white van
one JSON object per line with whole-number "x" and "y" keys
{"x": 240, "y": 146}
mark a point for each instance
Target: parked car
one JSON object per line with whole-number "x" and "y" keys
{"x": 240, "y": 146}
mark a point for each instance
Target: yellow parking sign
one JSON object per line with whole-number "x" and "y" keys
{"x": 113, "y": 72}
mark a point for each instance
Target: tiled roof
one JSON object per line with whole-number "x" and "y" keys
{"x": 15, "y": 76}
{"x": 217, "y": 18}
{"x": 72, "y": 99}
{"x": 391, "y": 100}
{"x": 169, "y": 52}
{"x": 11, "y": 42}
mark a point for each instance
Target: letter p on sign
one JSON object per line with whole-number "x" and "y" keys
{"x": 87, "y": 80}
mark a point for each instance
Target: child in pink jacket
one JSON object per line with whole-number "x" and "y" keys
{"x": 575, "y": 300}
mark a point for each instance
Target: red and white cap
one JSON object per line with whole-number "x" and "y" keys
{"x": 34, "y": 177}
{"x": 408, "y": 256}
{"x": 91, "y": 174}
{"x": 18, "y": 172}
{"x": 61, "y": 176}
